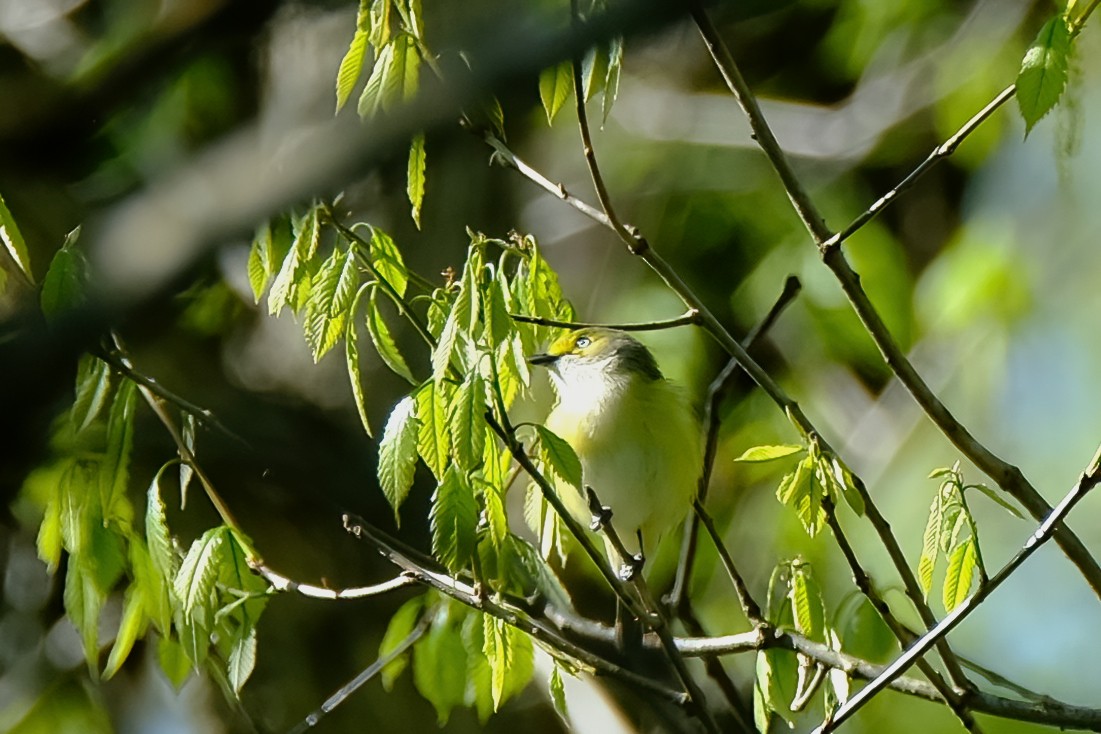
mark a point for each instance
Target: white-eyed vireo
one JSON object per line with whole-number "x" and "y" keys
{"x": 635, "y": 433}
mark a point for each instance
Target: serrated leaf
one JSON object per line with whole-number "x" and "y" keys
{"x": 163, "y": 557}
{"x": 48, "y": 542}
{"x": 195, "y": 579}
{"x": 370, "y": 100}
{"x": 403, "y": 72}
{"x": 1043, "y": 75}
{"x": 434, "y": 436}
{"x": 962, "y": 561}
{"x": 847, "y": 484}
{"x": 930, "y": 545}
{"x": 83, "y": 602}
{"x": 153, "y": 585}
{"x": 467, "y": 422}
{"x": 285, "y": 289}
{"x": 259, "y": 261}
{"x": 496, "y": 515}
{"x": 332, "y": 293}
{"x": 998, "y": 499}
{"x": 400, "y": 627}
{"x": 351, "y": 66}
{"x": 414, "y": 177}
{"x": 187, "y": 472}
{"x": 64, "y": 284}
{"x": 388, "y": 261}
{"x": 560, "y": 456}
{"x": 806, "y": 601}
{"x": 453, "y": 520}
{"x": 497, "y": 319}
{"x": 439, "y": 669}
{"x": 558, "y": 693}
{"x": 801, "y": 492}
{"x": 611, "y": 83}
{"x": 555, "y": 86}
{"x": 761, "y": 454}
{"x": 510, "y": 657}
{"x": 13, "y": 241}
{"x": 93, "y": 386}
{"x": 114, "y": 475}
{"x": 445, "y": 346}
{"x": 351, "y": 360}
{"x": 398, "y": 454}
{"x": 384, "y": 342}
{"x": 242, "y": 659}
{"x": 133, "y": 625}
{"x": 594, "y": 71}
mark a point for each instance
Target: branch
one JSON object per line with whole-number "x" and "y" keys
{"x": 1089, "y": 479}
{"x": 279, "y": 582}
{"x": 1007, "y": 476}
{"x": 688, "y": 318}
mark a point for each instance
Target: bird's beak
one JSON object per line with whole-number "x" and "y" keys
{"x": 543, "y": 359}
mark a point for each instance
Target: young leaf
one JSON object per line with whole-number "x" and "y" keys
{"x": 48, "y": 542}
{"x": 611, "y": 83}
{"x": 13, "y": 241}
{"x": 998, "y": 499}
{"x": 398, "y": 454}
{"x": 259, "y": 261}
{"x": 384, "y": 342}
{"x": 194, "y": 581}
{"x": 288, "y": 281}
{"x": 63, "y": 286}
{"x": 332, "y": 292}
{"x": 439, "y": 668}
{"x": 962, "y": 562}
{"x": 510, "y": 656}
{"x": 114, "y": 473}
{"x": 806, "y": 602}
{"x": 930, "y": 544}
{"x": 454, "y": 520}
{"x": 371, "y": 98}
{"x": 594, "y": 71}
{"x": 93, "y": 386}
{"x": 761, "y": 454}
{"x": 558, "y": 693}
{"x": 555, "y": 85}
{"x": 1043, "y": 75}
{"x": 351, "y": 66}
{"x": 351, "y": 359}
{"x": 560, "y": 456}
{"x": 173, "y": 661}
{"x": 400, "y": 627}
{"x": 161, "y": 553}
{"x": 434, "y": 437}
{"x": 133, "y": 625}
{"x": 467, "y": 422}
{"x": 388, "y": 261}
{"x": 83, "y": 602}
{"x": 403, "y": 72}
{"x": 414, "y": 178}
{"x": 242, "y": 658}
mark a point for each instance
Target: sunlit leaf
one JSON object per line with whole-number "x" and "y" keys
{"x": 560, "y": 456}
{"x": 400, "y": 627}
{"x": 555, "y": 86}
{"x": 615, "y": 70}
{"x": 115, "y": 467}
{"x": 434, "y": 435}
{"x": 760, "y": 454}
{"x": 1043, "y": 74}
{"x": 414, "y": 179}
{"x": 242, "y": 659}
{"x": 453, "y": 520}
{"x": 398, "y": 454}
{"x": 806, "y": 601}
{"x": 13, "y": 241}
{"x": 93, "y": 387}
{"x": 351, "y": 66}
{"x": 332, "y": 293}
{"x": 133, "y": 625}
{"x": 387, "y": 259}
{"x": 402, "y": 72}
{"x": 558, "y": 693}
{"x": 83, "y": 602}
{"x": 351, "y": 359}
{"x": 384, "y": 341}
{"x": 195, "y": 579}
{"x": 467, "y": 422}
{"x": 370, "y": 100}
{"x": 307, "y": 236}
{"x": 962, "y": 561}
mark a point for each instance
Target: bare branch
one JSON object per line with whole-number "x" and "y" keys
{"x": 688, "y": 318}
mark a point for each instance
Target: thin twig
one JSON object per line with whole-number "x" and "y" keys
{"x": 1008, "y": 477}
{"x": 688, "y": 318}
{"x": 279, "y": 582}
{"x": 367, "y": 674}
{"x": 1089, "y": 479}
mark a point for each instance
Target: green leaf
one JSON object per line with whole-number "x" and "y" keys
{"x": 133, "y": 625}
{"x": 380, "y": 21}
{"x": 594, "y": 71}
{"x": 351, "y": 359}
{"x": 398, "y": 454}
{"x": 453, "y": 520}
{"x": 294, "y": 267}
{"x": 242, "y": 658}
{"x": 351, "y": 66}
{"x": 467, "y": 422}
{"x": 370, "y": 100}
{"x": 83, "y": 602}
{"x": 13, "y": 240}
{"x": 153, "y": 585}
{"x": 1043, "y": 75}
{"x": 194, "y": 581}
{"x": 332, "y": 293}
{"x": 445, "y": 346}
{"x": 555, "y": 85}
{"x": 761, "y": 454}
{"x": 497, "y": 319}
{"x": 510, "y": 656}
{"x": 799, "y": 491}
{"x": 558, "y": 693}
{"x": 259, "y": 261}
{"x": 173, "y": 661}
{"x": 384, "y": 342}
{"x": 414, "y": 179}
{"x": 114, "y": 476}
{"x": 962, "y": 562}
{"x": 388, "y": 261}
{"x": 434, "y": 437}
{"x": 439, "y": 667}
{"x": 64, "y": 284}
{"x": 402, "y": 73}
{"x": 611, "y": 83}
{"x": 806, "y": 602}
{"x": 560, "y": 456}
{"x": 930, "y": 544}
{"x": 161, "y": 553}
{"x": 48, "y": 542}
{"x": 400, "y": 627}
{"x": 998, "y": 499}
{"x": 93, "y": 386}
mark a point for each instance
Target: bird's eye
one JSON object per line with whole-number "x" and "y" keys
{"x": 582, "y": 342}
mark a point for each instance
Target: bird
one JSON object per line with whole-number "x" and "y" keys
{"x": 635, "y": 433}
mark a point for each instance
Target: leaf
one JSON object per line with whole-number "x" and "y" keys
{"x": 242, "y": 659}
{"x": 445, "y": 345}
{"x": 332, "y": 293}
{"x": 161, "y": 553}
{"x": 288, "y": 280}
{"x": 400, "y": 627}
{"x": 384, "y": 342}
{"x": 594, "y": 71}
{"x": 555, "y": 85}
{"x": 997, "y": 499}
{"x": 509, "y": 654}
{"x": 114, "y": 475}
{"x": 761, "y": 454}
{"x": 351, "y": 66}
{"x": 351, "y": 359}
{"x": 48, "y": 542}
{"x": 560, "y": 456}
{"x": 799, "y": 491}
{"x": 414, "y": 178}
{"x": 173, "y": 661}
{"x": 83, "y": 602}
{"x": 187, "y": 472}
{"x": 497, "y": 319}
{"x": 806, "y": 602}
{"x": 962, "y": 562}
{"x": 388, "y": 261}
{"x": 194, "y": 581}
{"x": 1043, "y": 75}
{"x": 453, "y": 520}
{"x": 370, "y": 100}
{"x": 398, "y": 454}
{"x": 133, "y": 625}
{"x": 13, "y": 241}
{"x": 153, "y": 585}
{"x": 64, "y": 284}
{"x": 259, "y": 261}
{"x": 93, "y": 386}
{"x": 402, "y": 73}
{"x": 467, "y": 422}
{"x": 434, "y": 437}
{"x": 558, "y": 693}
{"x": 439, "y": 668}
{"x": 611, "y": 83}
{"x": 930, "y": 544}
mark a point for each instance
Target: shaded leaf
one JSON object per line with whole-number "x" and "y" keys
{"x": 351, "y": 360}
{"x": 13, "y": 241}
{"x": 93, "y": 386}
{"x": 133, "y": 625}
{"x": 998, "y": 499}
{"x": 402, "y": 73}
{"x": 65, "y": 281}
{"x": 242, "y": 659}
{"x": 611, "y": 83}
{"x": 83, "y": 602}
{"x": 439, "y": 668}
{"x": 400, "y": 627}
{"x": 173, "y": 661}
{"x": 370, "y": 100}
{"x": 195, "y": 579}
{"x": 1043, "y": 75}
{"x": 453, "y": 520}
{"x": 560, "y": 456}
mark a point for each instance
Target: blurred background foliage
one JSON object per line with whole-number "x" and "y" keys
{"x": 986, "y": 272}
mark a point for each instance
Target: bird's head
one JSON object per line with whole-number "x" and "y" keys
{"x": 597, "y": 353}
